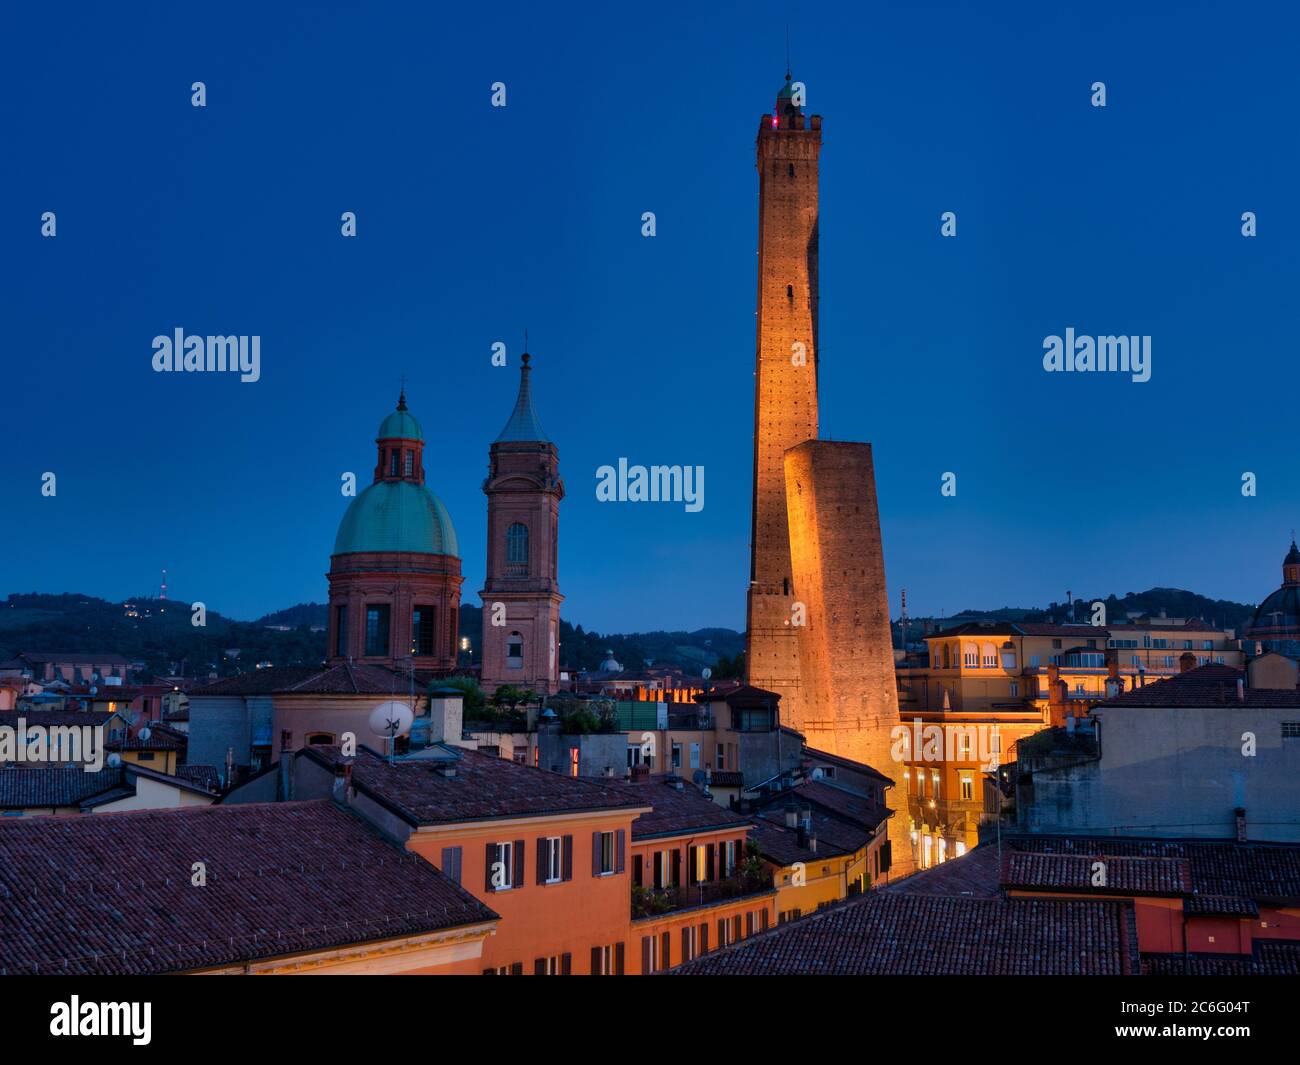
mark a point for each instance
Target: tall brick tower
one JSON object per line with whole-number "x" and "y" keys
{"x": 785, "y": 383}
{"x": 521, "y": 596}
{"x": 846, "y": 652}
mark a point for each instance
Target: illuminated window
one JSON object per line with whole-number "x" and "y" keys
{"x": 960, "y": 849}
{"x": 573, "y": 761}
{"x": 967, "y": 786}
{"x": 422, "y": 629}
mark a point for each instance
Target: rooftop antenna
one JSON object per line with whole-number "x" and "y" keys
{"x": 787, "y": 51}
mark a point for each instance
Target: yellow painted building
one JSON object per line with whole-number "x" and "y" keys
{"x": 982, "y": 686}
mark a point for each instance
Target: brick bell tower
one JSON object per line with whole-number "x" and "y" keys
{"x": 521, "y": 596}
{"x": 785, "y": 384}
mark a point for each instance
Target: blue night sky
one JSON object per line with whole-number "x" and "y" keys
{"x": 475, "y": 222}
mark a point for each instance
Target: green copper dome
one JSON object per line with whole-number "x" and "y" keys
{"x": 397, "y": 516}
{"x": 402, "y": 424}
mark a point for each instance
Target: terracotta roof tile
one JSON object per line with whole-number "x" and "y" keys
{"x": 111, "y": 894}
{"x": 882, "y": 934}
{"x": 483, "y": 787}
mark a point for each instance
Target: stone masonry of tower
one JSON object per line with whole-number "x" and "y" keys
{"x": 785, "y": 384}
{"x": 521, "y": 595}
{"x": 846, "y": 653}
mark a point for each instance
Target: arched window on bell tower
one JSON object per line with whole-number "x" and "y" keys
{"x": 517, "y": 550}
{"x": 515, "y": 651}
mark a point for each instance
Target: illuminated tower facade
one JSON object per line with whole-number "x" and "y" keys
{"x": 521, "y": 596}
{"x": 785, "y": 384}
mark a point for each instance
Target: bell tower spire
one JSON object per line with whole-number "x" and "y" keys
{"x": 521, "y": 595}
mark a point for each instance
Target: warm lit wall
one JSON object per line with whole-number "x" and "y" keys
{"x": 542, "y": 920}
{"x": 752, "y": 912}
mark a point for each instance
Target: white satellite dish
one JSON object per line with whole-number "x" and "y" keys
{"x": 706, "y": 673}
{"x": 391, "y": 719}
{"x": 144, "y": 733}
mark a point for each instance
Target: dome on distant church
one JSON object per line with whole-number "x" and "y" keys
{"x": 397, "y": 516}
{"x": 1277, "y": 621}
{"x": 398, "y": 512}
{"x": 401, "y": 423}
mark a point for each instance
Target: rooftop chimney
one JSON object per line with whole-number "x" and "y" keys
{"x": 1240, "y": 814}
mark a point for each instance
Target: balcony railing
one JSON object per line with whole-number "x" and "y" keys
{"x": 653, "y": 902}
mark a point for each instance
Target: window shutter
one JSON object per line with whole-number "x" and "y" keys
{"x": 665, "y": 958}
{"x": 595, "y": 854}
{"x": 704, "y": 938}
{"x": 539, "y": 967}
{"x": 491, "y": 857}
{"x": 566, "y": 964}
{"x": 568, "y": 858}
{"x": 637, "y": 877}
{"x": 517, "y": 969}
{"x": 708, "y": 863}
{"x": 645, "y": 956}
{"x": 686, "y": 944}
{"x": 618, "y": 959}
{"x": 722, "y": 931}
{"x": 749, "y": 923}
{"x": 763, "y": 923}
{"x": 518, "y": 863}
{"x": 595, "y": 961}
{"x": 677, "y": 868}
{"x": 543, "y": 865}
{"x": 659, "y": 870}
{"x": 622, "y": 847}
{"x": 885, "y": 856}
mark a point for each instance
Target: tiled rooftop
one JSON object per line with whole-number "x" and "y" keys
{"x": 1210, "y": 685}
{"x": 676, "y": 812}
{"x": 111, "y": 894}
{"x": 483, "y": 787}
{"x": 881, "y": 934}
{"x": 37, "y": 786}
{"x": 320, "y": 680}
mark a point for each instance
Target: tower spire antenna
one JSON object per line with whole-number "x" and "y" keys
{"x": 787, "y": 51}
{"x": 401, "y": 397}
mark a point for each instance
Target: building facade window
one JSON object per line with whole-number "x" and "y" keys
{"x": 340, "y": 630}
{"x": 377, "y": 617}
{"x": 408, "y": 464}
{"x": 423, "y": 628}
{"x": 515, "y": 651}
{"x": 517, "y": 550}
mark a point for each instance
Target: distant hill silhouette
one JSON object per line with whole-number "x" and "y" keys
{"x": 159, "y": 633}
